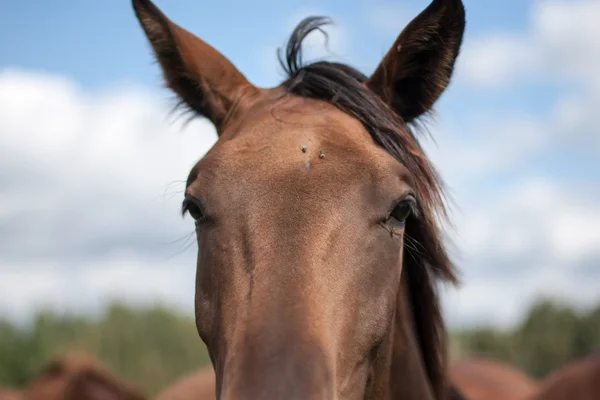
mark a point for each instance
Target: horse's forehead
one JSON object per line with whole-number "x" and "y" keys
{"x": 297, "y": 133}
{"x": 276, "y": 119}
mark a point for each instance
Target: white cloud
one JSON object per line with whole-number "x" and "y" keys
{"x": 481, "y": 147}
{"x": 28, "y": 287}
{"x": 85, "y": 179}
{"x": 535, "y": 237}
{"x": 496, "y": 59}
{"x": 568, "y": 33}
{"x": 389, "y": 18}
{"x": 562, "y": 41}
{"x": 503, "y": 304}
{"x": 540, "y": 212}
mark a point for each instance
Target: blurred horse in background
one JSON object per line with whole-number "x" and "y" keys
{"x": 199, "y": 385}
{"x": 78, "y": 376}
{"x": 11, "y": 394}
{"x": 577, "y": 380}
{"x": 318, "y": 215}
{"x": 481, "y": 378}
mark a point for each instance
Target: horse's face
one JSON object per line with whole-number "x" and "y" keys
{"x": 299, "y": 250}
{"x": 300, "y": 214}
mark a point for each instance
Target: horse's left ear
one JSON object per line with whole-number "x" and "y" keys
{"x": 417, "y": 69}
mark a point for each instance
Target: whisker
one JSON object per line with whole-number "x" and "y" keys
{"x": 187, "y": 241}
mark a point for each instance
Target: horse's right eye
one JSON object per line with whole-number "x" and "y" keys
{"x": 193, "y": 207}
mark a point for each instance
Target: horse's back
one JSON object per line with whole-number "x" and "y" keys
{"x": 578, "y": 380}
{"x": 199, "y": 385}
{"x": 11, "y": 394}
{"x": 486, "y": 379}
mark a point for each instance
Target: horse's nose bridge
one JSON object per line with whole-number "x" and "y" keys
{"x": 279, "y": 364}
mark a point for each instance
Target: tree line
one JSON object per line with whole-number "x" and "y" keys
{"x": 550, "y": 335}
{"x": 152, "y": 347}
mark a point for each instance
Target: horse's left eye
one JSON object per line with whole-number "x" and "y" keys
{"x": 403, "y": 209}
{"x": 194, "y": 208}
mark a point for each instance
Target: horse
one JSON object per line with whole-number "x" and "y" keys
{"x": 317, "y": 215}
{"x": 77, "y": 376}
{"x": 198, "y": 385}
{"x": 480, "y": 378}
{"x": 11, "y": 394}
{"x": 577, "y": 380}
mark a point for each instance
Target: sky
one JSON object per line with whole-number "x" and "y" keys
{"x": 92, "y": 165}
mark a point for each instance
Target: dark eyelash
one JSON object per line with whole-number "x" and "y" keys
{"x": 415, "y": 211}
{"x": 185, "y": 206}
{"x": 411, "y": 201}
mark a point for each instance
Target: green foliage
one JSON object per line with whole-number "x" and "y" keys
{"x": 549, "y": 336}
{"x": 153, "y": 347}
{"x": 150, "y": 347}
{"x": 485, "y": 342}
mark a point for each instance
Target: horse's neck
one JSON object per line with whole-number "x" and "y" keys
{"x": 408, "y": 377}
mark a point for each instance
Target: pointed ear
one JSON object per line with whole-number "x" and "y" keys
{"x": 201, "y": 76}
{"x": 91, "y": 385}
{"x": 417, "y": 69}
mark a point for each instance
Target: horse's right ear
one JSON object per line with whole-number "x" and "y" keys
{"x": 201, "y": 76}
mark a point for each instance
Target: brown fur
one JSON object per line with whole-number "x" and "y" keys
{"x": 11, "y": 394}
{"x": 319, "y": 249}
{"x": 199, "y": 385}
{"x": 578, "y": 380}
{"x": 78, "y": 376}
{"x": 486, "y": 379}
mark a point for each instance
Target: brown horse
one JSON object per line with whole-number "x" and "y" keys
{"x": 486, "y": 379}
{"x": 317, "y": 216}
{"x": 78, "y": 377}
{"x": 199, "y": 385}
{"x": 11, "y": 394}
{"x": 578, "y": 380}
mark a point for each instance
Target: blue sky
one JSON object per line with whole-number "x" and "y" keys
{"x": 81, "y": 102}
{"x": 100, "y": 43}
